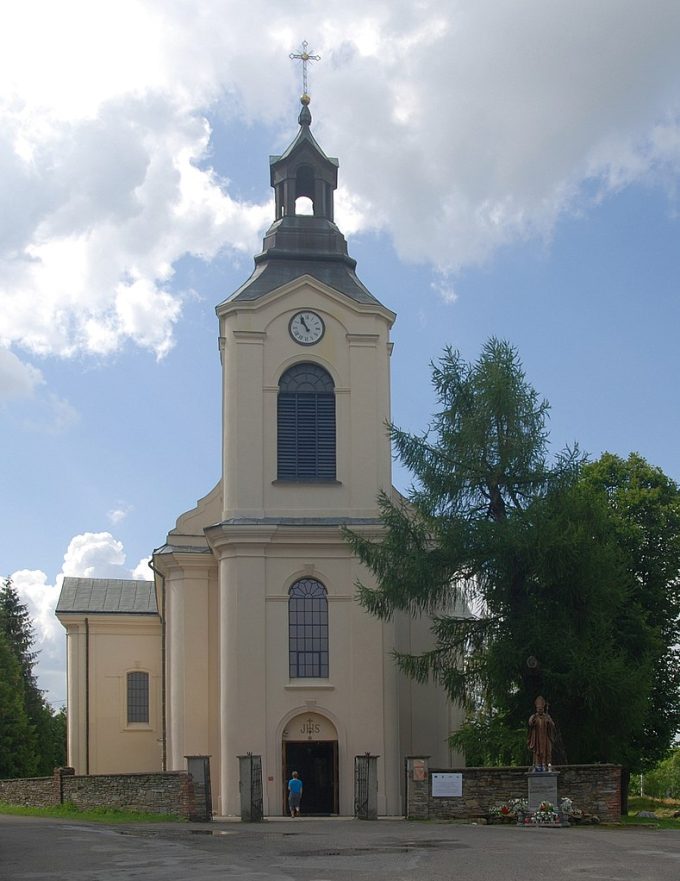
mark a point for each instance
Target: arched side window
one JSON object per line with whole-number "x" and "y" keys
{"x": 306, "y": 424}
{"x": 308, "y": 630}
{"x": 138, "y": 697}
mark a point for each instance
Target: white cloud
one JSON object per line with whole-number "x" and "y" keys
{"x": 94, "y": 555}
{"x": 17, "y": 378}
{"x": 482, "y": 124}
{"x": 141, "y": 572}
{"x": 119, "y": 513}
{"x": 41, "y": 598}
{"x": 445, "y": 289}
{"x": 460, "y": 127}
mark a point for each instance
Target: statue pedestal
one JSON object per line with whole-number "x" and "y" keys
{"x": 542, "y": 787}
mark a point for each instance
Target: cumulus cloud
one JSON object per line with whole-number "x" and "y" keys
{"x": 141, "y": 572}
{"x": 94, "y": 554}
{"x": 484, "y": 123}
{"x": 461, "y": 127}
{"x": 17, "y": 378}
{"x": 89, "y": 555}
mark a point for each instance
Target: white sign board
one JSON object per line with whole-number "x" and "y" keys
{"x": 447, "y": 785}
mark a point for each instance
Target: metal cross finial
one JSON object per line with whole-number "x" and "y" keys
{"x": 305, "y": 57}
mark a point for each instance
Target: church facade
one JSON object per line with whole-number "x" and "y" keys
{"x": 250, "y": 638}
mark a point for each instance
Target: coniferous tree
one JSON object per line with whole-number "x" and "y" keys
{"x": 44, "y": 746}
{"x": 18, "y": 757}
{"x": 534, "y": 553}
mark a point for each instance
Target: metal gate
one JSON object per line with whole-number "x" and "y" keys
{"x": 361, "y": 787}
{"x": 250, "y": 785}
{"x": 366, "y": 787}
{"x": 199, "y": 768}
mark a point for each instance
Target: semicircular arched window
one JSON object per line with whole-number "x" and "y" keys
{"x": 306, "y": 424}
{"x": 308, "y": 630}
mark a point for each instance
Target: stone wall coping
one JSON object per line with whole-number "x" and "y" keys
{"x": 135, "y": 774}
{"x": 25, "y": 779}
{"x": 518, "y": 768}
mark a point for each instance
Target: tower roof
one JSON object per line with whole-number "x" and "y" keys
{"x": 304, "y": 244}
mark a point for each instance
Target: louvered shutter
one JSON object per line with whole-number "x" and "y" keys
{"x": 306, "y": 426}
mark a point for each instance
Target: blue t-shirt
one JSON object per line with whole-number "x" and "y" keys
{"x": 295, "y": 785}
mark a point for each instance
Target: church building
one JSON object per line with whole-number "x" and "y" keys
{"x": 250, "y": 638}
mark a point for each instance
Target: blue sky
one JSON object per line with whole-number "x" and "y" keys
{"x": 506, "y": 169}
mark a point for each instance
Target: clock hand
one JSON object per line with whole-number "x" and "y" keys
{"x": 304, "y": 323}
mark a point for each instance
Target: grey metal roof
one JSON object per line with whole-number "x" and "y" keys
{"x": 182, "y": 549}
{"x": 297, "y": 245}
{"x": 274, "y": 273}
{"x": 302, "y": 137}
{"x": 107, "y": 595}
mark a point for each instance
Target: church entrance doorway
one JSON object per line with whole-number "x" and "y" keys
{"x": 316, "y": 762}
{"x": 310, "y": 747}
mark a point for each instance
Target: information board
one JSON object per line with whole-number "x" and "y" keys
{"x": 447, "y": 785}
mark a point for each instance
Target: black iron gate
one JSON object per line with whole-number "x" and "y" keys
{"x": 251, "y": 788}
{"x": 361, "y": 775}
{"x": 199, "y": 768}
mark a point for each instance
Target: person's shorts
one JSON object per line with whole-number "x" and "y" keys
{"x": 294, "y": 799}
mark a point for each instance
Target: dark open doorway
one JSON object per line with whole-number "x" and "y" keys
{"x": 316, "y": 761}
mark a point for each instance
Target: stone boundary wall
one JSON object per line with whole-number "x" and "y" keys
{"x": 30, "y": 792}
{"x": 594, "y": 789}
{"x": 171, "y": 792}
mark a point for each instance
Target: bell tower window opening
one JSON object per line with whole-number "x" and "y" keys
{"x": 304, "y": 206}
{"x": 304, "y": 190}
{"x": 306, "y": 424}
{"x": 308, "y": 630}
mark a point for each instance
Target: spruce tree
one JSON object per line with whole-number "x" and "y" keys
{"x": 42, "y": 738}
{"x": 18, "y": 756}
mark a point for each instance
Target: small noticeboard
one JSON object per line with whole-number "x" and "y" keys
{"x": 447, "y": 785}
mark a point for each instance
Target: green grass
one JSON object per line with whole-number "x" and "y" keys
{"x": 95, "y": 815}
{"x": 664, "y": 809}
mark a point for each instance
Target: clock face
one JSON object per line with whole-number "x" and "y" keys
{"x": 306, "y": 328}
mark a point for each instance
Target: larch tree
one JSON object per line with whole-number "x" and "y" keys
{"x": 492, "y": 523}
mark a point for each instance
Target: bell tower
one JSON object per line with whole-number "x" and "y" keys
{"x": 305, "y": 358}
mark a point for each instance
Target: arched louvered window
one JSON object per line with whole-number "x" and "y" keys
{"x": 308, "y": 630}
{"x": 137, "y": 697}
{"x": 306, "y": 424}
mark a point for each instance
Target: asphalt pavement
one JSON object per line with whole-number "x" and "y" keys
{"x": 336, "y": 849}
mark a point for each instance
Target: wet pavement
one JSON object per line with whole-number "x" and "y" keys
{"x": 307, "y": 849}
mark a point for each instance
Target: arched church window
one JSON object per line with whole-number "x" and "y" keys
{"x": 308, "y": 630}
{"x": 306, "y": 424}
{"x": 138, "y": 697}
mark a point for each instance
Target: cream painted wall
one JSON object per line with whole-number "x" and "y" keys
{"x": 117, "y": 645}
{"x": 259, "y": 697}
{"x": 256, "y": 350}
